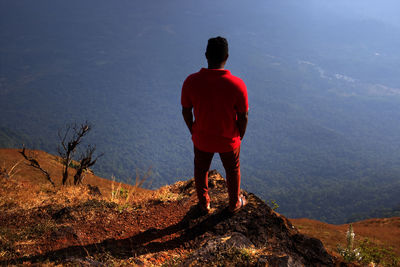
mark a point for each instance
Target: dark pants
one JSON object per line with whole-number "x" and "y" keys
{"x": 231, "y": 162}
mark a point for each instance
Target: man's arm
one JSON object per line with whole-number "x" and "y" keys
{"x": 242, "y": 118}
{"x": 188, "y": 117}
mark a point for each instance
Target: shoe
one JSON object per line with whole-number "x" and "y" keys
{"x": 243, "y": 203}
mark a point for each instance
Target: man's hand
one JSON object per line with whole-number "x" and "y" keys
{"x": 242, "y": 118}
{"x": 188, "y": 117}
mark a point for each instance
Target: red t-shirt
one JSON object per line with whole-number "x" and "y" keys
{"x": 216, "y": 96}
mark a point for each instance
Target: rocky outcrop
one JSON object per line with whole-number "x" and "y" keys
{"x": 256, "y": 226}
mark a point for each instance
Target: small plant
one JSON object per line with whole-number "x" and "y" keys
{"x": 116, "y": 192}
{"x": 349, "y": 254}
{"x": 122, "y": 195}
{"x": 272, "y": 203}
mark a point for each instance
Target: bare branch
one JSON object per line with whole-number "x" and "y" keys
{"x": 35, "y": 164}
{"x": 69, "y": 142}
{"x": 85, "y": 162}
{"x": 11, "y": 172}
{"x": 63, "y": 138}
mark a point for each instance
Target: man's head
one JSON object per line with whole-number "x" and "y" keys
{"x": 217, "y": 51}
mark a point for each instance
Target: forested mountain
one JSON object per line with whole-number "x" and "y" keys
{"x": 323, "y": 81}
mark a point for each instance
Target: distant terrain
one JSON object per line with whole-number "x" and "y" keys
{"x": 323, "y": 81}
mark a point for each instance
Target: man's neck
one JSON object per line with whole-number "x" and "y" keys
{"x": 219, "y": 66}
{"x": 215, "y": 68}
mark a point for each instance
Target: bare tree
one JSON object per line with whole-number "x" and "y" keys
{"x": 35, "y": 164}
{"x": 85, "y": 163}
{"x": 71, "y": 138}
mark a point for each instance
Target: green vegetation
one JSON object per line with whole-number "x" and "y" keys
{"x": 272, "y": 203}
{"x": 120, "y": 196}
{"x": 370, "y": 252}
{"x": 367, "y": 252}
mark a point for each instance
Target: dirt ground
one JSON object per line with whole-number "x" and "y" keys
{"x": 129, "y": 225}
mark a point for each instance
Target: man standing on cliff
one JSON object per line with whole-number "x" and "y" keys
{"x": 220, "y": 107}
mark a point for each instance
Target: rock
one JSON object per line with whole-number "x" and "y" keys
{"x": 84, "y": 262}
{"x": 277, "y": 261}
{"x": 215, "y": 246}
{"x": 62, "y": 214}
{"x": 254, "y": 225}
{"x": 94, "y": 190}
{"x": 64, "y": 233}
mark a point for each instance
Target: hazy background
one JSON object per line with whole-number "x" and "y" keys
{"x": 323, "y": 80}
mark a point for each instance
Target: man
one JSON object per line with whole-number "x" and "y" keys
{"x": 220, "y": 106}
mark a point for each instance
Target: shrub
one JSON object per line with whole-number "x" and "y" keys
{"x": 367, "y": 252}
{"x": 382, "y": 256}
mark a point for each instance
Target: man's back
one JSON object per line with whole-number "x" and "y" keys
{"x": 216, "y": 97}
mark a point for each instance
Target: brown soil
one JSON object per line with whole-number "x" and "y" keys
{"x": 39, "y": 222}
{"x": 73, "y": 225}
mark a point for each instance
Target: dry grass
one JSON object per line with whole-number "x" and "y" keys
{"x": 26, "y": 187}
{"x": 9, "y": 172}
{"x": 22, "y": 195}
{"x": 165, "y": 194}
{"x": 25, "y": 192}
{"x": 71, "y": 195}
{"x": 126, "y": 195}
{"x": 28, "y": 203}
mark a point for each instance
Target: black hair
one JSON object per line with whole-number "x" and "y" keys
{"x": 217, "y": 49}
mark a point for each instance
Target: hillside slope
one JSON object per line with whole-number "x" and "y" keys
{"x": 39, "y": 223}
{"x": 76, "y": 225}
